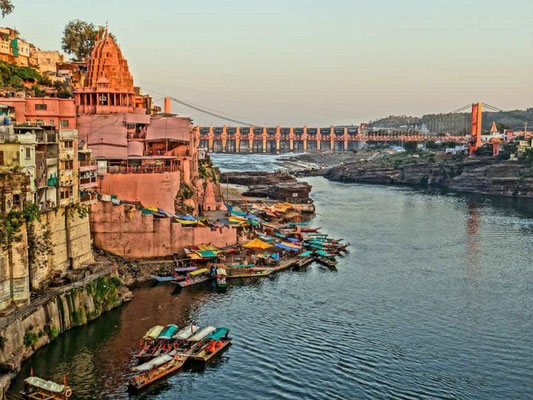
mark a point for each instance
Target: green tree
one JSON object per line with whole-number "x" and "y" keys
{"x": 79, "y": 38}
{"x": 410, "y": 147}
{"x": 7, "y": 7}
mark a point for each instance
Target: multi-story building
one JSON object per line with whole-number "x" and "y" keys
{"x": 88, "y": 174}
{"x": 12, "y": 48}
{"x": 46, "y": 61}
{"x": 68, "y": 167}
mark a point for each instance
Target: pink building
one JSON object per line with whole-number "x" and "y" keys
{"x": 60, "y": 113}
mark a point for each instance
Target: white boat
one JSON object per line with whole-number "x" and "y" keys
{"x": 186, "y": 332}
{"x": 156, "y": 362}
{"x": 202, "y": 334}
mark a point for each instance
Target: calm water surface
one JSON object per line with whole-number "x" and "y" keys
{"x": 435, "y": 300}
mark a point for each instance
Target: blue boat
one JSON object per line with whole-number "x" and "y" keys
{"x": 166, "y": 278}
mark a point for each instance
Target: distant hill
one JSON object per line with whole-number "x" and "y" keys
{"x": 457, "y": 122}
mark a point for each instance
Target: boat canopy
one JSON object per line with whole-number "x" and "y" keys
{"x": 221, "y": 271}
{"x": 156, "y": 362}
{"x": 306, "y": 253}
{"x": 44, "y": 384}
{"x": 202, "y": 333}
{"x": 322, "y": 253}
{"x": 198, "y": 272}
{"x": 257, "y": 244}
{"x": 168, "y": 332}
{"x": 186, "y": 332}
{"x": 241, "y": 266}
{"x": 154, "y": 332}
{"x": 206, "y": 253}
{"x": 285, "y": 247}
{"x": 218, "y": 334}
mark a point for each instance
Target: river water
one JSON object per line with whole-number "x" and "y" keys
{"x": 435, "y": 300}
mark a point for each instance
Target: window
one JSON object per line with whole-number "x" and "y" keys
{"x": 68, "y": 144}
{"x": 64, "y": 123}
{"x": 28, "y": 153}
{"x": 68, "y": 164}
{"x": 52, "y": 123}
{"x": 1, "y": 158}
{"x": 41, "y": 107}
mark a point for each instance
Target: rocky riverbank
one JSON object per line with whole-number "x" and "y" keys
{"x": 279, "y": 186}
{"x": 482, "y": 175}
{"x": 36, "y": 325}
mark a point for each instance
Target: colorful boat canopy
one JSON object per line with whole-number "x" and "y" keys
{"x": 322, "y": 253}
{"x": 154, "y": 332}
{"x": 186, "y": 269}
{"x": 257, "y": 244}
{"x": 202, "y": 334}
{"x": 156, "y": 362}
{"x": 285, "y": 247}
{"x": 206, "y": 253}
{"x": 168, "y": 332}
{"x": 218, "y": 334}
{"x": 306, "y": 253}
{"x": 186, "y": 332}
{"x": 44, "y": 384}
{"x": 198, "y": 272}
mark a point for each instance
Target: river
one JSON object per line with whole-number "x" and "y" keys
{"x": 435, "y": 300}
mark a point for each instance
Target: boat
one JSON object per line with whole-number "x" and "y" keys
{"x": 40, "y": 389}
{"x": 221, "y": 277}
{"x": 163, "y": 278}
{"x": 185, "y": 269}
{"x": 325, "y": 259}
{"x": 186, "y": 332}
{"x": 217, "y": 341}
{"x": 156, "y": 369}
{"x": 201, "y": 334}
{"x": 195, "y": 277}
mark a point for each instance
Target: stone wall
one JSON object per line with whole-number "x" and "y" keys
{"x": 14, "y": 274}
{"x": 21, "y": 335}
{"x": 70, "y": 245}
{"x": 124, "y": 231}
{"x": 152, "y": 190}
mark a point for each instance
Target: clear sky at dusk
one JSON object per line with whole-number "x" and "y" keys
{"x": 311, "y": 62}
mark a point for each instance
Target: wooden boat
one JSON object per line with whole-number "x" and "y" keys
{"x": 310, "y": 230}
{"x": 216, "y": 342}
{"x": 195, "y": 277}
{"x": 164, "y": 278}
{"x": 201, "y": 334}
{"x": 156, "y": 369}
{"x": 40, "y": 389}
{"x": 221, "y": 277}
{"x": 246, "y": 272}
{"x": 329, "y": 262}
{"x": 168, "y": 332}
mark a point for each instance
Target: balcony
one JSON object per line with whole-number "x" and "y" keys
{"x": 68, "y": 134}
{"x": 89, "y": 165}
{"x": 46, "y": 137}
{"x": 89, "y": 183}
{"x": 51, "y": 162}
{"x": 141, "y": 169}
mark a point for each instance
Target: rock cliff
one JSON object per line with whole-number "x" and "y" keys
{"x": 482, "y": 175}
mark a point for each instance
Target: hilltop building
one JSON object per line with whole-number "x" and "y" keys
{"x": 13, "y": 49}
{"x": 141, "y": 157}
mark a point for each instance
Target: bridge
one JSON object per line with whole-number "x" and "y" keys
{"x": 250, "y": 139}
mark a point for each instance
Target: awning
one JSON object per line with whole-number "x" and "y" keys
{"x": 257, "y": 244}
{"x": 285, "y": 247}
{"x": 206, "y": 253}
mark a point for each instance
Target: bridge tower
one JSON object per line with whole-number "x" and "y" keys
{"x": 477, "y": 121}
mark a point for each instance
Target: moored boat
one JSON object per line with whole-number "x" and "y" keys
{"x": 221, "y": 278}
{"x": 40, "y": 389}
{"x": 156, "y": 369}
{"x": 216, "y": 342}
{"x": 186, "y": 332}
{"x": 195, "y": 277}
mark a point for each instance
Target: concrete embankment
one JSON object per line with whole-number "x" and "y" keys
{"x": 38, "y": 323}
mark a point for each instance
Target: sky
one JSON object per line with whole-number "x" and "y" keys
{"x": 318, "y": 63}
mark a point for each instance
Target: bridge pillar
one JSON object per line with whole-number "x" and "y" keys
{"x": 278, "y": 142}
{"x": 291, "y": 139}
{"x": 210, "y": 137}
{"x": 251, "y": 140}
{"x": 224, "y": 138}
{"x": 237, "y": 139}
{"x": 264, "y": 139}
{"x": 332, "y": 138}
{"x": 318, "y": 139}
{"x": 304, "y": 135}
{"x": 345, "y": 147}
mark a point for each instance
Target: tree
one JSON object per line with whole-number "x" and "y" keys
{"x": 79, "y": 38}
{"x": 7, "y": 7}
{"x": 410, "y": 147}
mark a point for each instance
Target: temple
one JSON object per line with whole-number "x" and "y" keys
{"x": 141, "y": 156}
